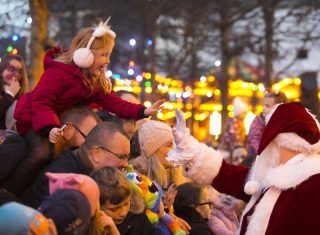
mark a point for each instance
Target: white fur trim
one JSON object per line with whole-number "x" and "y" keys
{"x": 294, "y": 142}
{"x": 279, "y": 179}
{"x": 268, "y": 159}
{"x": 293, "y": 173}
{"x": 252, "y": 187}
{"x": 259, "y": 220}
{"x": 252, "y": 201}
{"x": 205, "y": 165}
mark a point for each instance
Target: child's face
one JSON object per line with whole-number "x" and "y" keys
{"x": 101, "y": 59}
{"x": 117, "y": 212}
{"x": 204, "y": 206}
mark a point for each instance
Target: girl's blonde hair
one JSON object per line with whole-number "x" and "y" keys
{"x": 80, "y": 41}
{"x": 156, "y": 171}
{"x": 152, "y": 167}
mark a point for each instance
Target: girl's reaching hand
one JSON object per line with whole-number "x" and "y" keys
{"x": 154, "y": 108}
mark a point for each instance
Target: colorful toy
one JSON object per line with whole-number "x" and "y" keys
{"x": 151, "y": 193}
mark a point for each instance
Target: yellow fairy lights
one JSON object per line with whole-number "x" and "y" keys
{"x": 172, "y": 114}
{"x": 215, "y": 124}
{"x": 290, "y": 87}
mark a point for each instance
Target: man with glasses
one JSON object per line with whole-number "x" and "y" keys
{"x": 78, "y": 122}
{"x": 106, "y": 145}
{"x": 15, "y": 174}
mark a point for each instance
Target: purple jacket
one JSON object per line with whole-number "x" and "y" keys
{"x": 255, "y": 134}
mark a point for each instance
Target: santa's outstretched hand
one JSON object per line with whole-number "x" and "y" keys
{"x": 200, "y": 162}
{"x": 185, "y": 146}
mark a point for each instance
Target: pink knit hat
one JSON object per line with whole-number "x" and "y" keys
{"x": 83, "y": 183}
{"x": 152, "y": 135}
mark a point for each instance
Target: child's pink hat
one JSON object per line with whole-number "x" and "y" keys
{"x": 83, "y": 183}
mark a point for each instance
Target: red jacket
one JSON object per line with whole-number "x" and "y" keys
{"x": 60, "y": 88}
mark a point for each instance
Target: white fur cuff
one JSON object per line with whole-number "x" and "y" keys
{"x": 205, "y": 166}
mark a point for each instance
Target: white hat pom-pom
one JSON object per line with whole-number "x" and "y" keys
{"x": 252, "y": 187}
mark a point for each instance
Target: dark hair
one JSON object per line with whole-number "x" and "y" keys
{"x": 105, "y": 116}
{"x": 278, "y": 96}
{"x": 76, "y": 115}
{"x": 113, "y": 184}
{"x": 188, "y": 194}
{"x": 103, "y": 132}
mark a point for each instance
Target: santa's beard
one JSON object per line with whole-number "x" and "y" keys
{"x": 268, "y": 159}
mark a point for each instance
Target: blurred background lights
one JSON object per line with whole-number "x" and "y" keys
{"x": 9, "y": 49}
{"x": 132, "y": 42}
{"x": 15, "y": 37}
{"x": 109, "y": 73}
{"x": 14, "y": 51}
{"x": 139, "y": 78}
{"x": 130, "y": 72}
{"x": 203, "y": 79}
{"x": 29, "y": 20}
{"x": 217, "y": 63}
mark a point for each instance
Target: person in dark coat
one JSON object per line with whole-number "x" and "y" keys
{"x": 106, "y": 145}
{"x": 80, "y": 121}
{"x": 193, "y": 205}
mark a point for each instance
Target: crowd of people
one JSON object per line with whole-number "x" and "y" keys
{"x": 77, "y": 158}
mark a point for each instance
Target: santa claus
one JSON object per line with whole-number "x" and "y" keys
{"x": 283, "y": 186}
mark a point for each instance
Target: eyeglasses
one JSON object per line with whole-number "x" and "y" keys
{"x": 14, "y": 70}
{"x": 121, "y": 157}
{"x": 78, "y": 129}
{"x": 70, "y": 124}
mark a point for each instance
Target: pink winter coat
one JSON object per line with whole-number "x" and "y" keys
{"x": 223, "y": 219}
{"x": 60, "y": 88}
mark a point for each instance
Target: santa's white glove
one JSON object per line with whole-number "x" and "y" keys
{"x": 185, "y": 146}
{"x": 199, "y": 162}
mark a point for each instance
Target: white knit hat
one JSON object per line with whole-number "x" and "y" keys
{"x": 152, "y": 135}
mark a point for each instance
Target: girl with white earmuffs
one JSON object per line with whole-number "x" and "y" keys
{"x": 71, "y": 77}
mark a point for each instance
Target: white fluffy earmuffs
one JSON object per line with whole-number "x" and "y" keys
{"x": 83, "y": 57}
